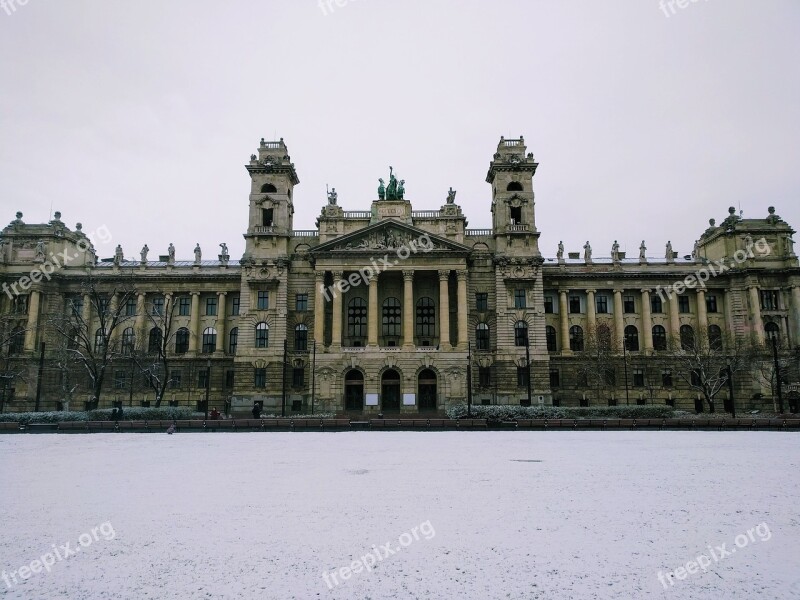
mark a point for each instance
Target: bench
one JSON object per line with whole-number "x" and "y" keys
{"x": 472, "y": 423}
{"x": 73, "y": 426}
{"x": 224, "y": 424}
{"x": 328, "y": 424}
{"x": 9, "y": 427}
{"x": 384, "y": 423}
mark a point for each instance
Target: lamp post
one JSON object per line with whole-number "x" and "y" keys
{"x": 208, "y": 385}
{"x": 469, "y": 380}
{"x": 774, "y": 337}
{"x": 625, "y": 364}
{"x": 730, "y": 390}
{"x": 283, "y": 377}
{"x": 528, "y": 366}
{"x": 313, "y": 374}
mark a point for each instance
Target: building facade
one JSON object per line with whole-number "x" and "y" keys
{"x": 387, "y": 309}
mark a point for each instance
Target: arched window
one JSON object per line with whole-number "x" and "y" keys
{"x": 520, "y": 333}
{"x": 714, "y": 337}
{"x": 262, "y": 335}
{"x": 268, "y": 188}
{"x": 773, "y": 331}
{"x": 482, "y": 336}
{"x": 72, "y": 342}
{"x": 426, "y": 318}
{"x": 357, "y": 318}
{"x": 182, "y": 341}
{"x": 154, "y": 341}
{"x": 659, "y": 338}
{"x": 514, "y": 186}
{"x": 550, "y": 336}
{"x": 301, "y": 338}
{"x": 576, "y": 338}
{"x": 128, "y": 340}
{"x": 687, "y": 337}
{"x": 233, "y": 340}
{"x": 209, "y": 340}
{"x": 631, "y": 339}
{"x": 391, "y": 317}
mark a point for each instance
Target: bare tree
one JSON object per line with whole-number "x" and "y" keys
{"x": 596, "y": 361}
{"x": 90, "y": 332}
{"x": 154, "y": 358}
{"x": 703, "y": 363}
{"x": 12, "y": 341}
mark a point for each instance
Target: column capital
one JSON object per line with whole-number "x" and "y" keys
{"x": 319, "y": 276}
{"x": 444, "y": 274}
{"x": 591, "y": 291}
{"x": 194, "y": 293}
{"x": 617, "y": 291}
{"x": 646, "y": 290}
{"x": 462, "y": 274}
{"x": 700, "y": 291}
{"x": 408, "y": 274}
{"x": 563, "y": 292}
{"x": 222, "y": 294}
{"x": 337, "y": 275}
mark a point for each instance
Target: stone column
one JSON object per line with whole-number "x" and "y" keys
{"x": 373, "y": 312}
{"x": 33, "y": 320}
{"x": 408, "y": 309}
{"x": 319, "y": 308}
{"x": 795, "y": 315}
{"x": 591, "y": 310}
{"x": 563, "y": 313}
{"x": 336, "y": 327}
{"x": 194, "y": 323}
{"x": 139, "y": 329}
{"x": 647, "y": 321}
{"x": 220, "y": 322}
{"x": 86, "y": 315}
{"x": 444, "y": 310}
{"x": 755, "y": 311}
{"x": 113, "y": 309}
{"x": 619, "y": 324}
{"x": 674, "y": 320}
{"x": 463, "y": 309}
{"x": 702, "y": 315}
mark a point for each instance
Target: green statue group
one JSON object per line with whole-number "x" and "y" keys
{"x": 394, "y": 191}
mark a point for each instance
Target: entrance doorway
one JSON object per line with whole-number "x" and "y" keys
{"x": 426, "y": 391}
{"x": 390, "y": 391}
{"x": 354, "y": 391}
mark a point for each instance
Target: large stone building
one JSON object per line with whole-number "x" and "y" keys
{"x": 383, "y": 309}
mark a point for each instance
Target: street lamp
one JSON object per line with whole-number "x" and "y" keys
{"x": 469, "y": 380}
{"x": 773, "y": 335}
{"x": 625, "y": 364}
{"x": 208, "y": 385}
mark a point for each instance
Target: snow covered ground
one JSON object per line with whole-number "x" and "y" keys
{"x": 551, "y": 515}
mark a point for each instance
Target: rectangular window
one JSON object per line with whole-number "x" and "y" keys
{"x": 769, "y": 300}
{"x": 522, "y": 376}
{"x": 235, "y": 303}
{"x": 638, "y": 377}
{"x": 516, "y": 215}
{"x": 21, "y": 305}
{"x": 75, "y": 306}
{"x": 683, "y": 304}
{"x": 301, "y": 302}
{"x": 202, "y": 378}
{"x": 629, "y": 304}
{"x": 481, "y": 301}
{"x": 298, "y": 377}
{"x": 484, "y": 376}
{"x": 266, "y": 217}
{"x": 260, "y": 378}
{"x": 695, "y": 377}
{"x": 602, "y": 304}
{"x": 175, "y": 380}
{"x": 549, "y": 307}
{"x": 157, "y": 306}
{"x": 574, "y": 304}
{"x": 184, "y": 306}
{"x": 711, "y": 303}
{"x": 229, "y": 378}
{"x": 211, "y": 307}
{"x": 555, "y": 378}
{"x": 666, "y": 378}
{"x": 120, "y": 380}
{"x": 130, "y": 307}
{"x": 263, "y": 300}
{"x": 656, "y": 305}
{"x": 519, "y": 299}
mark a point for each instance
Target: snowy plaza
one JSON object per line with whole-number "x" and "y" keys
{"x": 569, "y": 515}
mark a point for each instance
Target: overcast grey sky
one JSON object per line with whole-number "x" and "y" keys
{"x": 141, "y": 115}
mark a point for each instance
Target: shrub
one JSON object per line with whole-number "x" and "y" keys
{"x": 138, "y": 413}
{"x": 510, "y": 412}
{"x": 42, "y": 417}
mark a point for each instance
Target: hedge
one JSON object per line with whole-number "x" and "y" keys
{"x": 164, "y": 413}
{"x": 512, "y": 412}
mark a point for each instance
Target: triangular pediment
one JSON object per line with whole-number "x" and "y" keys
{"x": 389, "y": 235}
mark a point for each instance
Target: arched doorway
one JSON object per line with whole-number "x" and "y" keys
{"x": 354, "y": 391}
{"x": 426, "y": 390}
{"x": 390, "y": 391}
